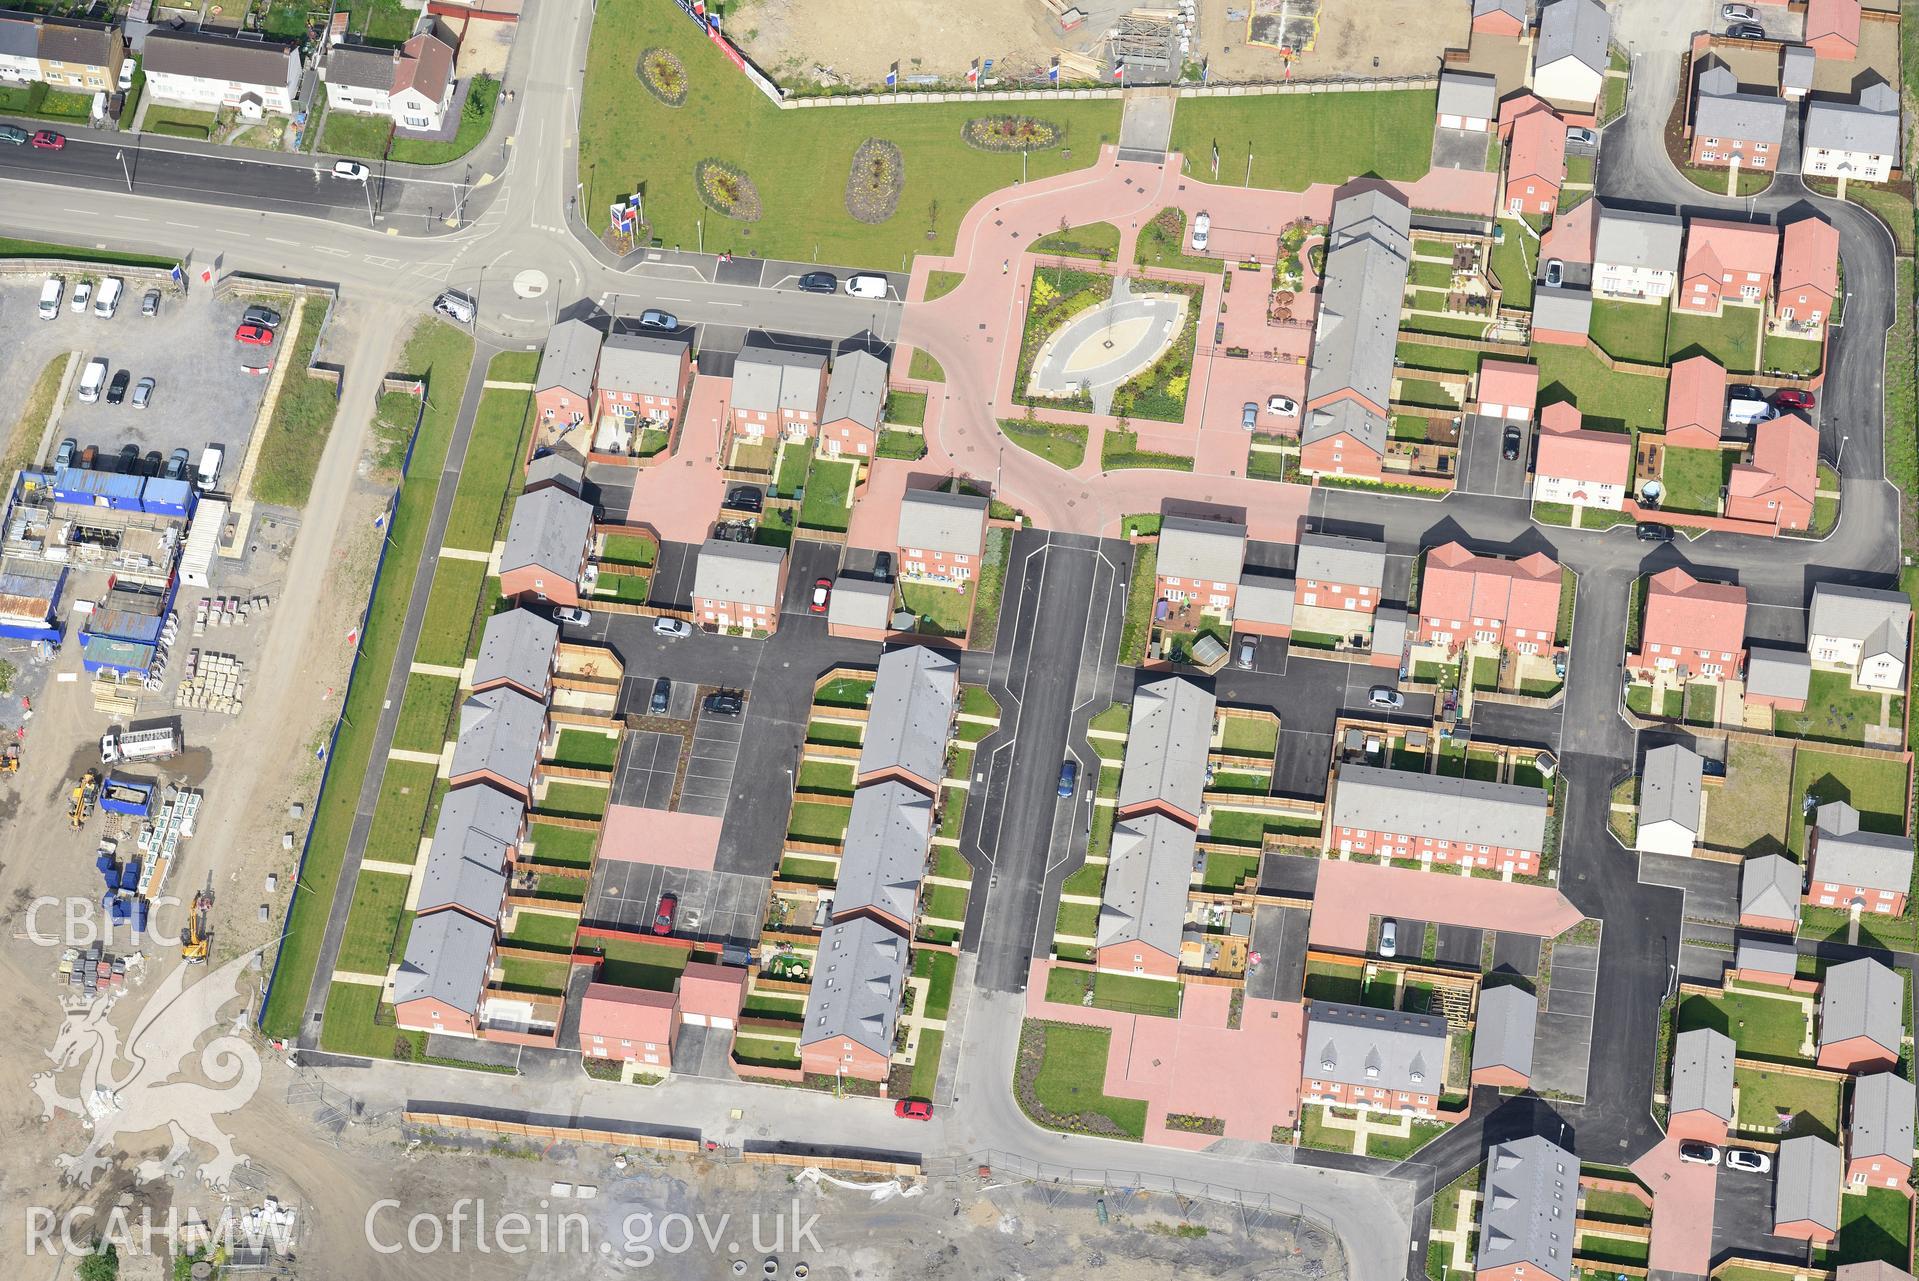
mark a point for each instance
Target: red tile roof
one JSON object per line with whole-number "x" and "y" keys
{"x": 1809, "y": 257}
{"x": 1520, "y": 593}
{"x": 1507, "y": 382}
{"x": 1570, "y": 238}
{"x": 715, "y": 991}
{"x": 427, "y": 67}
{"x": 1560, "y": 416}
{"x": 1785, "y": 456}
{"x": 1717, "y": 248}
{"x": 626, "y": 1014}
{"x": 1681, "y": 611}
{"x": 1538, "y": 149}
{"x": 1832, "y": 18}
{"x": 1596, "y": 457}
{"x": 1696, "y": 396}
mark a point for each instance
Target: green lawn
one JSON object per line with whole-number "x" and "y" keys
{"x": 1094, "y": 240}
{"x": 302, "y": 419}
{"x": 938, "y": 969}
{"x": 10, "y": 248}
{"x": 1874, "y": 785}
{"x": 476, "y": 117}
{"x": 1694, "y": 478}
{"x": 1061, "y": 444}
{"x": 425, "y": 712}
{"x": 543, "y": 930}
{"x": 346, "y": 133}
{"x": 942, "y": 610}
{"x": 442, "y": 354}
{"x": 1731, "y": 338}
{"x": 491, "y": 469}
{"x": 1250, "y": 736}
{"x": 1875, "y": 1226}
{"x": 1137, "y": 625}
{"x": 1791, "y": 355}
{"x": 813, "y": 821}
{"x": 829, "y": 490}
{"x": 450, "y": 610}
{"x": 348, "y": 1025}
{"x": 1835, "y": 712}
{"x": 399, "y": 814}
{"x": 629, "y": 549}
{"x": 923, "y": 365}
{"x": 638, "y": 962}
{"x": 1749, "y": 812}
{"x": 1352, "y": 135}
{"x": 1811, "y": 1102}
{"x": 907, "y": 408}
{"x": 1122, "y": 992}
{"x": 827, "y": 777}
{"x": 569, "y": 845}
{"x": 797, "y": 160}
{"x": 1607, "y": 400}
{"x": 1633, "y": 331}
{"x": 373, "y": 922}
{"x": 1162, "y": 242}
{"x": 1235, "y": 827}
{"x": 179, "y": 122}
{"x": 938, "y": 285}
{"x": 1515, "y": 260}
{"x": 1070, "y": 1078}
{"x": 1763, "y": 1027}
{"x": 1224, "y": 872}
{"x": 1615, "y": 1207}
{"x": 586, "y": 749}
{"x": 1420, "y": 355}
{"x": 573, "y": 800}
{"x": 1120, "y": 449}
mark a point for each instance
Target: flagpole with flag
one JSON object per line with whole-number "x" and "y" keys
{"x": 972, "y": 74}
{"x": 1119, "y": 74}
{"x": 893, "y": 78}
{"x": 1052, "y": 72}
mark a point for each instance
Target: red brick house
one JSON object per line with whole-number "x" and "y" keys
{"x": 1861, "y": 1017}
{"x": 852, "y": 1009}
{"x": 1510, "y": 603}
{"x": 1578, "y": 466}
{"x": 1808, "y": 281}
{"x": 1691, "y": 629}
{"x": 855, "y": 405}
{"x": 1700, "y": 1098}
{"x": 1695, "y": 403}
{"x": 1769, "y": 894}
{"x": 1778, "y": 486}
{"x": 644, "y": 382}
{"x": 1436, "y": 819}
{"x": 941, "y": 537}
{"x": 1726, "y": 262}
{"x": 1379, "y": 1060}
{"x": 1832, "y": 28}
{"x": 544, "y": 557}
{"x": 1879, "y": 1140}
{"x": 1855, "y": 869}
{"x": 737, "y": 587}
{"x": 1535, "y": 162}
{"x": 1805, "y": 1190}
{"x": 440, "y": 985}
{"x": 1199, "y": 564}
{"x": 628, "y": 1024}
{"x": 569, "y": 364}
{"x": 1499, "y": 17}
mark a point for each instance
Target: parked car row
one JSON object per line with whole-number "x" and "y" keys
{"x": 1694, "y": 1152}
{"x": 104, "y": 302}
{"x": 178, "y": 467}
{"x": 94, "y": 383}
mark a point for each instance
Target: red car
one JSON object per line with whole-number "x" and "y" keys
{"x": 1791, "y": 398}
{"x": 913, "y": 1110}
{"x": 822, "y": 592}
{"x": 48, "y": 140}
{"x": 663, "y": 914}
{"x": 254, "y": 335}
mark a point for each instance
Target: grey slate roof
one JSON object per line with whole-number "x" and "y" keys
{"x": 1878, "y": 620}
{"x": 218, "y": 57}
{"x": 19, "y": 38}
{"x": 500, "y": 732}
{"x": 1529, "y": 1199}
{"x": 1845, "y": 126}
{"x": 1766, "y": 954}
{"x": 1563, "y": 310}
{"x": 942, "y": 522}
{"x": 857, "y": 978}
{"x": 860, "y": 602}
{"x": 517, "y": 646}
{"x": 1702, "y": 1073}
{"x": 1629, "y": 238}
{"x": 76, "y": 42}
{"x": 1882, "y": 1107}
{"x": 1149, "y": 869}
{"x": 1845, "y": 855}
{"x": 1749, "y": 116}
{"x": 1170, "y": 734}
{"x": 1357, "y": 333}
{"x": 472, "y": 879}
{"x": 1778, "y": 673}
{"x": 1350, "y": 562}
{"x": 479, "y": 817}
{"x": 1573, "y": 29}
{"x": 1862, "y": 998}
{"x": 1442, "y": 807}
{"x": 1806, "y": 1185}
{"x": 1264, "y": 599}
{"x": 1517, "y": 8}
{"x": 1389, "y": 629}
{"x": 768, "y": 379}
{"x": 1379, "y": 1049}
{"x": 884, "y": 857}
{"x": 1346, "y": 418}
{"x": 360, "y": 66}
{"x": 1214, "y": 550}
{"x": 445, "y": 959}
{"x": 1797, "y": 66}
{"x": 571, "y": 355}
{"x": 1876, "y": 1270}
{"x": 1769, "y": 886}
{"x": 550, "y": 530}
{"x": 1503, "y": 1033}
{"x": 747, "y": 573}
{"x": 1468, "y": 93}
{"x": 1669, "y": 787}
{"x": 643, "y": 364}
{"x": 857, "y": 389}
{"x": 911, "y": 714}
{"x": 558, "y": 468}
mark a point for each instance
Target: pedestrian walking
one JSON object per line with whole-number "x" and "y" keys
{"x": 1004, "y": 265}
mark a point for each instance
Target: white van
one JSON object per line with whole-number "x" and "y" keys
{"x": 866, "y": 285}
{"x": 50, "y": 295}
{"x": 455, "y": 306}
{"x": 211, "y": 459}
{"x": 94, "y": 378}
{"x": 107, "y": 301}
{"x": 1750, "y": 412}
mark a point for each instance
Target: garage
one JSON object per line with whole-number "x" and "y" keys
{"x": 1468, "y": 100}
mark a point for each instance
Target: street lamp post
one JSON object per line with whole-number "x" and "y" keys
{"x": 125, "y": 172}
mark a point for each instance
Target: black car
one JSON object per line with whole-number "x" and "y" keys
{"x": 662, "y": 695}
{"x": 1746, "y": 31}
{"x": 1744, "y": 391}
{"x": 1509, "y": 445}
{"x": 820, "y": 282}
{"x": 117, "y": 389}
{"x": 152, "y": 464}
{"x": 725, "y": 703}
{"x": 1655, "y": 533}
{"x": 744, "y": 498}
{"x": 883, "y": 566}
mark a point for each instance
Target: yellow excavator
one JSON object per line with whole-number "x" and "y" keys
{"x": 80, "y": 806}
{"x": 10, "y": 759}
{"x": 193, "y": 945}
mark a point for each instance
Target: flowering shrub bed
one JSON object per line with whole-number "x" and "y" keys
{"x": 874, "y": 181}
{"x": 726, "y": 190}
{"x": 1011, "y": 133}
{"x": 664, "y": 76}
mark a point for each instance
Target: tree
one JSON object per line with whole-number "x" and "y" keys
{"x": 102, "y": 1265}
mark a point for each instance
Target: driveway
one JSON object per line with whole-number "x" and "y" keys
{"x": 714, "y": 906}
{"x": 1460, "y": 149}
{"x": 709, "y": 767}
{"x": 649, "y": 763}
{"x": 1562, "y": 1057}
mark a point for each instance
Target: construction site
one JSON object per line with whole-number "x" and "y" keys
{"x": 831, "y": 44}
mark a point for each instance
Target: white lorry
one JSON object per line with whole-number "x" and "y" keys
{"x": 118, "y": 746}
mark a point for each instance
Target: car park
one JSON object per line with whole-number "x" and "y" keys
{"x": 672, "y": 628}
{"x": 1555, "y": 273}
{"x": 92, "y": 379}
{"x": 1385, "y": 698}
{"x": 351, "y": 170}
{"x": 1655, "y": 533}
{"x": 820, "y": 282}
{"x": 1389, "y": 937}
{"x": 1748, "y": 1160}
{"x": 1510, "y": 442}
{"x": 1202, "y": 230}
{"x": 913, "y": 1110}
{"x": 1249, "y": 415}
{"x": 1284, "y": 406}
{"x": 48, "y": 140}
{"x": 265, "y": 317}
{"x": 1695, "y": 1153}
{"x": 13, "y": 136}
{"x": 107, "y": 301}
{"x": 822, "y": 593}
{"x": 152, "y": 464}
{"x": 662, "y": 697}
{"x": 211, "y": 460}
{"x": 150, "y": 303}
{"x": 663, "y": 914}
{"x": 143, "y": 395}
{"x": 1792, "y": 398}
{"x": 725, "y": 703}
{"x": 254, "y": 335}
{"x": 1068, "y": 778}
{"x": 654, "y": 318}
{"x": 1579, "y": 135}
{"x": 82, "y": 298}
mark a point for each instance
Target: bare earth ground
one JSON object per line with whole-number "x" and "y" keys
{"x": 858, "y": 41}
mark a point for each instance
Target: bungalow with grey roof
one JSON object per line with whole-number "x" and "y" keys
{"x": 1862, "y": 1020}
{"x": 909, "y": 719}
{"x": 1503, "y": 1036}
{"x": 1805, "y": 1190}
{"x": 1769, "y": 891}
{"x": 1700, "y": 1100}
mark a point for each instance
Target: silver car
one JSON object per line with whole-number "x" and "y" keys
{"x": 143, "y": 393}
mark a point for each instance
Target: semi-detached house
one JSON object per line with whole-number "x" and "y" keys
{"x": 1692, "y": 630}
{"x": 1380, "y": 1060}
{"x": 412, "y": 85}
{"x": 778, "y": 391}
{"x": 1464, "y": 598}
{"x": 66, "y": 53}
{"x": 253, "y": 77}
{"x": 737, "y": 586}
{"x": 1437, "y": 820}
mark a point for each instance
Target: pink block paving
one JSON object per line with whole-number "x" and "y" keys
{"x": 681, "y": 496}
{"x": 1682, "y": 1202}
{"x": 664, "y": 838}
{"x": 1350, "y": 894}
{"x": 1247, "y": 1077}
